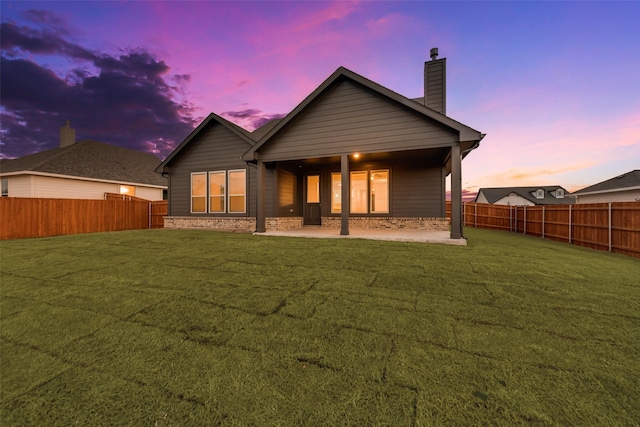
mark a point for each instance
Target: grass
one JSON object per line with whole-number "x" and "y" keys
{"x": 167, "y": 327}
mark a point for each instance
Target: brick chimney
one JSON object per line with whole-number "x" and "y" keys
{"x": 67, "y": 135}
{"x": 435, "y": 82}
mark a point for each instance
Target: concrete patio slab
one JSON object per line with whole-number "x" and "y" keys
{"x": 393, "y": 235}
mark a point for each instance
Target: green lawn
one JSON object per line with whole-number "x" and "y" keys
{"x": 184, "y": 328}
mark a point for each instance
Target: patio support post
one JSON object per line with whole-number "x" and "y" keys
{"x": 456, "y": 192}
{"x": 344, "y": 217}
{"x": 260, "y": 215}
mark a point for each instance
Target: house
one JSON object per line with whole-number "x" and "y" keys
{"x": 353, "y": 154}
{"x": 83, "y": 170}
{"x": 525, "y": 196}
{"x": 622, "y": 188}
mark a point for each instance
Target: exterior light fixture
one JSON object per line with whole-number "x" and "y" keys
{"x": 356, "y": 156}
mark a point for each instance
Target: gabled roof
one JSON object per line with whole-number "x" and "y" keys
{"x": 264, "y": 129}
{"x": 626, "y": 181}
{"x": 90, "y": 159}
{"x": 466, "y": 133}
{"x": 245, "y": 135}
{"x": 496, "y": 193}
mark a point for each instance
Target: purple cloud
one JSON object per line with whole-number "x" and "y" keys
{"x": 127, "y": 99}
{"x": 250, "y": 118}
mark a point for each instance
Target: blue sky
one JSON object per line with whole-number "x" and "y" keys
{"x": 554, "y": 85}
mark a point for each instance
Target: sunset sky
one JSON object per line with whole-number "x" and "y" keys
{"x": 554, "y": 85}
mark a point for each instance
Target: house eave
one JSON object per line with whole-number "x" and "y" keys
{"x": 211, "y": 117}
{"x": 611, "y": 190}
{"x": 465, "y": 133}
{"x": 80, "y": 178}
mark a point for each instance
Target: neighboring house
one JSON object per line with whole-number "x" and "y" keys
{"x": 525, "y": 196}
{"x": 83, "y": 170}
{"x": 622, "y": 188}
{"x": 352, "y": 154}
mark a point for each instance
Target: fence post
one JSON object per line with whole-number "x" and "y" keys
{"x": 510, "y": 221}
{"x": 570, "y": 224}
{"x": 543, "y": 221}
{"x": 515, "y": 219}
{"x": 609, "y": 226}
{"x": 149, "y": 215}
{"x": 475, "y": 215}
{"x": 524, "y": 228}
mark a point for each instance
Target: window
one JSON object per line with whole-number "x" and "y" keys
{"x": 313, "y": 189}
{"x": 237, "y": 191}
{"x": 227, "y": 191}
{"x": 379, "y": 191}
{"x": 540, "y": 193}
{"x": 369, "y": 192}
{"x": 199, "y": 192}
{"x": 359, "y": 196}
{"x": 5, "y": 187}
{"x": 560, "y": 193}
{"x": 286, "y": 189}
{"x": 217, "y": 191}
{"x": 336, "y": 192}
{"x": 129, "y": 190}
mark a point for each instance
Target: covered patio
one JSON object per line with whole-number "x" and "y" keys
{"x": 423, "y": 236}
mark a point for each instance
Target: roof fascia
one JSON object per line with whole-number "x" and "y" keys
{"x": 611, "y": 190}
{"x": 211, "y": 117}
{"x": 79, "y": 178}
{"x": 465, "y": 133}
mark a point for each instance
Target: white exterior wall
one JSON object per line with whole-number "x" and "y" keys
{"x": 614, "y": 196}
{"x": 149, "y": 193}
{"x": 514, "y": 200}
{"x": 62, "y": 188}
{"x": 66, "y": 188}
{"x": 20, "y": 186}
{"x": 481, "y": 198}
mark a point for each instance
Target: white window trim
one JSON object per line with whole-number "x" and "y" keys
{"x": 371, "y": 172}
{"x": 224, "y": 196}
{"x": 339, "y": 175}
{"x": 243, "y": 194}
{"x": 206, "y": 187}
{"x": 5, "y": 187}
{"x": 366, "y": 172}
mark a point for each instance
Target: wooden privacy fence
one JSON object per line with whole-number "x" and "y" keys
{"x": 613, "y": 227}
{"x": 159, "y": 210}
{"x": 30, "y": 217}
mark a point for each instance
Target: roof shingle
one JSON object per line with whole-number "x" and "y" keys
{"x": 91, "y": 159}
{"x": 494, "y": 194}
{"x": 626, "y": 180}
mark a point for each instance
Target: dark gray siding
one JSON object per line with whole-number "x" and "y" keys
{"x": 216, "y": 148}
{"x": 415, "y": 187}
{"x": 270, "y": 193}
{"x": 252, "y": 178}
{"x": 287, "y": 193}
{"x": 435, "y": 86}
{"x": 351, "y": 118}
{"x": 416, "y": 191}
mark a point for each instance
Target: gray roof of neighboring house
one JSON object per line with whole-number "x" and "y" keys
{"x": 494, "y": 194}
{"x": 620, "y": 182}
{"x": 91, "y": 159}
